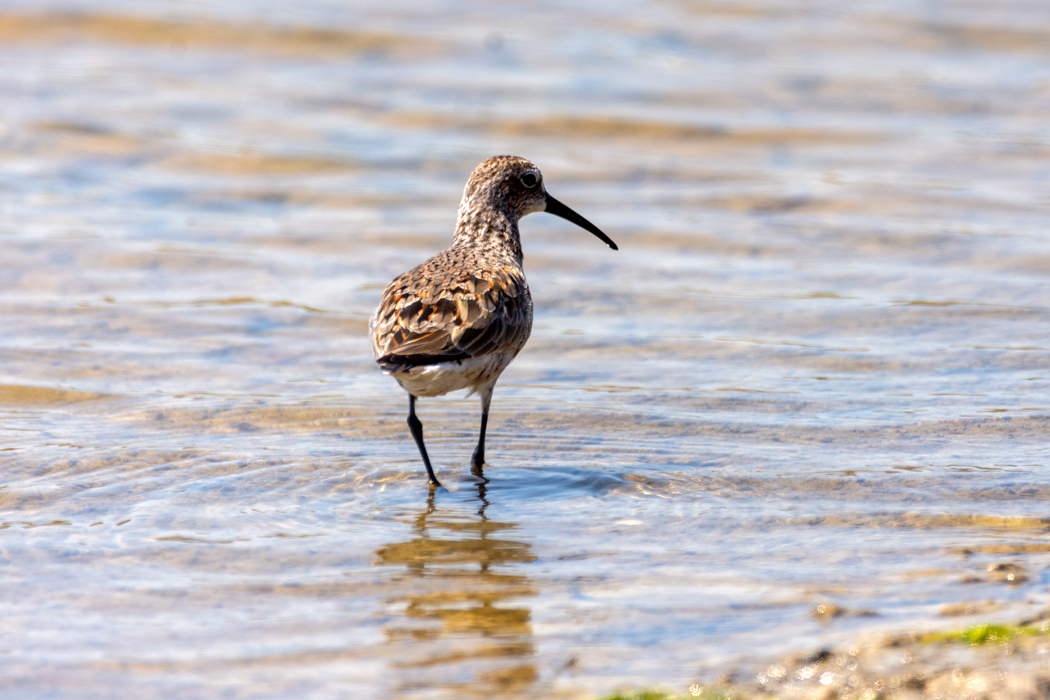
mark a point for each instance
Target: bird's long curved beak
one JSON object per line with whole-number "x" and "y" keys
{"x": 558, "y": 209}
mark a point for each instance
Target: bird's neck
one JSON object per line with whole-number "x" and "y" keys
{"x": 490, "y": 229}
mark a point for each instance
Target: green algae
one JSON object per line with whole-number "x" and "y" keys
{"x": 983, "y": 634}
{"x": 648, "y": 694}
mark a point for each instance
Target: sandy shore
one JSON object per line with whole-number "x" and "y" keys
{"x": 987, "y": 662}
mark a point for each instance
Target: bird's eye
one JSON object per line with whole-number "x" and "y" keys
{"x": 529, "y": 180}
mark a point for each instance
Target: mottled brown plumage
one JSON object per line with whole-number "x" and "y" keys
{"x": 457, "y": 320}
{"x": 459, "y": 304}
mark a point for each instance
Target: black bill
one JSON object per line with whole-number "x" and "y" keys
{"x": 558, "y": 209}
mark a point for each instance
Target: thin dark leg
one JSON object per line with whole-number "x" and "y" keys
{"x": 417, "y": 433}
{"x": 478, "y": 460}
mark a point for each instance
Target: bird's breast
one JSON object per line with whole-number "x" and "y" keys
{"x": 442, "y": 378}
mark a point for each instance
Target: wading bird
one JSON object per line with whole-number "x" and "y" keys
{"x": 457, "y": 320}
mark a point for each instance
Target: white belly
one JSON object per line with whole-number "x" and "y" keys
{"x": 436, "y": 380}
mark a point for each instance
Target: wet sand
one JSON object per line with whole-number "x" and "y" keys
{"x": 996, "y": 662}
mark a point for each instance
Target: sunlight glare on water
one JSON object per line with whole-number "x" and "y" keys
{"x": 816, "y": 372}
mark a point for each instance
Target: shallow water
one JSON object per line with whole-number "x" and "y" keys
{"x": 817, "y": 371}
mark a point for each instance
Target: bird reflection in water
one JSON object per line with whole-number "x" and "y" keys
{"x": 464, "y": 622}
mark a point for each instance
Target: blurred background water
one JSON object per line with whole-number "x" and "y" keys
{"x": 815, "y": 373}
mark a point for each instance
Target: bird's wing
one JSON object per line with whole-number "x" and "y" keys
{"x": 429, "y": 316}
